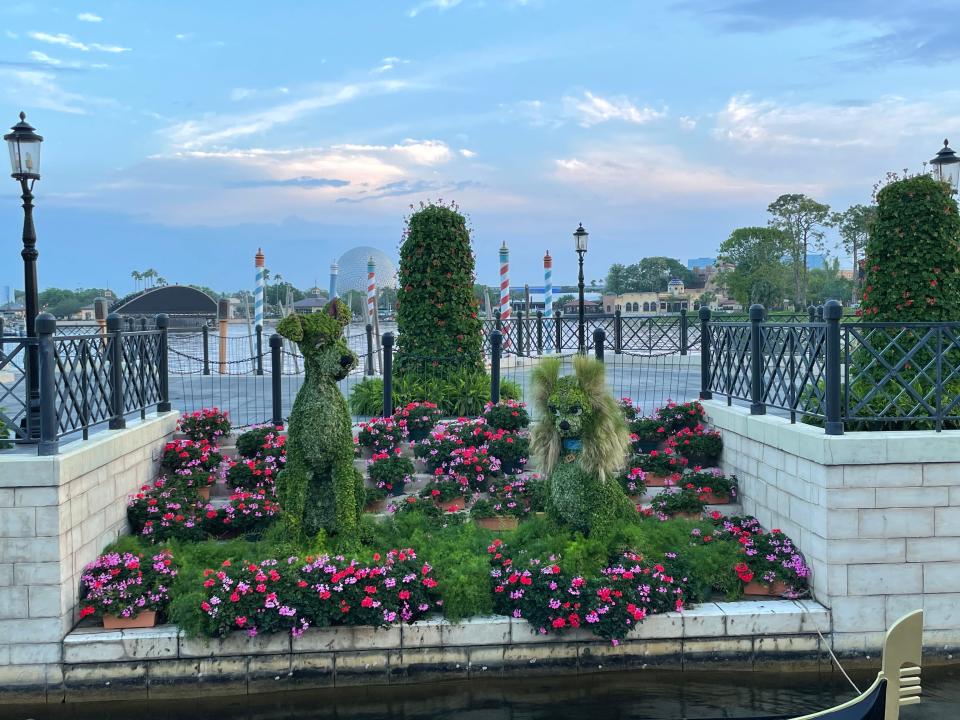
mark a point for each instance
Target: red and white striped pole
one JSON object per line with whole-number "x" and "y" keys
{"x": 371, "y": 291}
{"x": 505, "y": 292}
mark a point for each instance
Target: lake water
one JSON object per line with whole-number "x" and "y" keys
{"x": 639, "y": 695}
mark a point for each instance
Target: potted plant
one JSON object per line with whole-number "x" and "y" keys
{"x": 506, "y": 415}
{"x": 390, "y": 471}
{"x": 716, "y": 488}
{"x": 772, "y": 565}
{"x": 250, "y": 473}
{"x": 684, "y": 502}
{"x": 197, "y": 478}
{"x": 630, "y": 411}
{"x": 484, "y": 513}
{"x": 126, "y": 591}
{"x": 470, "y": 466}
{"x": 162, "y": 511}
{"x": 659, "y": 466}
{"x": 632, "y": 482}
{"x": 209, "y": 424}
{"x": 263, "y": 440}
{"x": 698, "y": 445}
{"x": 378, "y": 435}
{"x": 189, "y": 454}
{"x": 647, "y": 434}
{"x": 446, "y": 494}
{"x": 418, "y": 418}
{"x": 375, "y": 500}
{"x": 434, "y": 450}
{"x": 677, "y": 416}
{"x": 510, "y": 448}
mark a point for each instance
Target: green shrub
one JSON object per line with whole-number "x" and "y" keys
{"x": 5, "y": 433}
{"x": 437, "y": 314}
{"x": 457, "y": 394}
{"x": 250, "y": 443}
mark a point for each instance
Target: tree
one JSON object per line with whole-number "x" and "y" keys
{"x": 616, "y": 280}
{"x": 564, "y": 299}
{"x": 854, "y": 226}
{"x": 437, "y": 314}
{"x": 913, "y": 254}
{"x": 803, "y": 220}
{"x": 827, "y": 283}
{"x": 706, "y": 300}
{"x": 137, "y": 277}
{"x": 759, "y": 274}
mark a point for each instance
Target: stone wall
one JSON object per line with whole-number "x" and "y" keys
{"x": 877, "y": 516}
{"x": 56, "y": 515}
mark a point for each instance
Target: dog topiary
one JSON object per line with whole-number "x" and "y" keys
{"x": 581, "y": 443}
{"x": 319, "y": 488}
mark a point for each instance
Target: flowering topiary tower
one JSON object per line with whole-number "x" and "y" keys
{"x": 913, "y": 254}
{"x": 437, "y": 316}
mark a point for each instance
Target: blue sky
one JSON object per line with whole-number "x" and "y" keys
{"x": 183, "y": 135}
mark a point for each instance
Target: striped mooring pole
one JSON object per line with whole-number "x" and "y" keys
{"x": 260, "y": 289}
{"x": 547, "y": 285}
{"x": 371, "y": 291}
{"x": 334, "y": 271}
{"x": 505, "y": 290}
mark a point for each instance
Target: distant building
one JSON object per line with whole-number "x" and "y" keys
{"x": 590, "y": 307}
{"x": 700, "y": 262}
{"x": 84, "y": 314}
{"x": 312, "y": 303}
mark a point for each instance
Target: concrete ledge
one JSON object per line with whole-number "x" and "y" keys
{"x": 162, "y": 662}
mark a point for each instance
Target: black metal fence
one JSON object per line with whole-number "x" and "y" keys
{"x": 75, "y": 382}
{"x": 843, "y": 376}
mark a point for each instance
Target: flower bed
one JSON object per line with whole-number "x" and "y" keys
{"x": 417, "y": 419}
{"x": 507, "y": 415}
{"x": 380, "y": 434}
{"x": 122, "y": 586}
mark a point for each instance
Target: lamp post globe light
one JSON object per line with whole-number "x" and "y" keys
{"x": 24, "y": 146}
{"x": 946, "y": 166}
{"x": 580, "y": 243}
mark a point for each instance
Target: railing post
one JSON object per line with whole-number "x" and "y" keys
{"x": 276, "y": 378}
{"x": 1, "y": 339}
{"x": 819, "y": 313}
{"x": 617, "y": 332}
{"x": 684, "y": 331}
{"x": 599, "y": 337}
{"x": 832, "y": 313}
{"x": 812, "y": 313}
{"x": 223, "y": 316}
{"x": 129, "y": 322}
{"x": 558, "y": 329}
{"x": 369, "y": 330}
{"x": 259, "y": 330}
{"x": 46, "y": 327}
{"x": 117, "y": 421}
{"x": 497, "y": 321}
{"x": 205, "y": 331}
{"x": 756, "y": 362}
{"x": 143, "y": 323}
{"x": 519, "y": 322}
{"x": 163, "y": 325}
{"x": 539, "y": 333}
{"x": 387, "y": 374}
{"x": 705, "y": 392}
{"x": 496, "y": 346}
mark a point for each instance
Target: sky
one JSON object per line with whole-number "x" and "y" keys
{"x": 182, "y": 135}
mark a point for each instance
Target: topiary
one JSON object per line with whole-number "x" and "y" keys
{"x": 913, "y": 254}
{"x": 436, "y": 309}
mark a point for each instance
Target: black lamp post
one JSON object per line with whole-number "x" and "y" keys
{"x": 24, "y": 146}
{"x": 580, "y": 239}
{"x": 946, "y": 166}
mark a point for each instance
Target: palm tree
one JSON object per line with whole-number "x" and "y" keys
{"x": 161, "y": 281}
{"x": 137, "y": 277}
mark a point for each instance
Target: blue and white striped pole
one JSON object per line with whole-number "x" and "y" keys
{"x": 547, "y": 285}
{"x": 334, "y": 271}
{"x": 260, "y": 290}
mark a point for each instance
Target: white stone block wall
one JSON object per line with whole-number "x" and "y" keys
{"x": 877, "y": 516}
{"x": 56, "y": 515}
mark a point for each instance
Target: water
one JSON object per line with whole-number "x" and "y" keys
{"x": 638, "y": 695}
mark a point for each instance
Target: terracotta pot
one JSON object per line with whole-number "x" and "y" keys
{"x": 145, "y": 619}
{"x": 656, "y": 480}
{"x": 498, "y": 522}
{"x": 204, "y": 492}
{"x": 687, "y": 515}
{"x": 714, "y": 499}
{"x": 458, "y": 503}
{"x": 755, "y": 587}
{"x": 376, "y": 507}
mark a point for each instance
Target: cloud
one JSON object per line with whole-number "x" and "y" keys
{"x": 425, "y": 152}
{"x": 42, "y": 89}
{"x": 183, "y": 36}
{"x": 89, "y": 17}
{"x": 11, "y": 34}
{"x": 592, "y": 110}
{"x": 402, "y": 188}
{"x": 627, "y": 171}
{"x": 687, "y": 123}
{"x": 215, "y": 130}
{"x": 74, "y": 44}
{"x": 440, "y": 5}
{"x": 300, "y": 182}
{"x": 467, "y": 153}
{"x": 389, "y": 63}
{"x": 42, "y": 59}
{"x": 772, "y": 126}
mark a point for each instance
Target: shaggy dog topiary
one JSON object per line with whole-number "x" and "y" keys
{"x": 319, "y": 488}
{"x": 581, "y": 442}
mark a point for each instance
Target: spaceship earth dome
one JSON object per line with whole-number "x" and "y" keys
{"x": 353, "y": 269}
